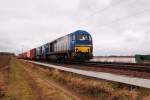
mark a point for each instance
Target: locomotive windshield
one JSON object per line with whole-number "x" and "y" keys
{"x": 83, "y": 39}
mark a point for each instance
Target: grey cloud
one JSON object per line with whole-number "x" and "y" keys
{"x": 116, "y": 30}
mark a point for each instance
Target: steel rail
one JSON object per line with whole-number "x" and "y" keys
{"x": 126, "y": 66}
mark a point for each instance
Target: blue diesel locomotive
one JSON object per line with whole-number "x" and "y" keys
{"x": 76, "y": 46}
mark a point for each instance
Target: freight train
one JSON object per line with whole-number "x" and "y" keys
{"x": 76, "y": 46}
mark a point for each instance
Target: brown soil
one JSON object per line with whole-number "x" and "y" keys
{"x": 4, "y": 61}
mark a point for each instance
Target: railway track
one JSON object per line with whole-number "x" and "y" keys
{"x": 125, "y": 66}
{"x": 120, "y": 66}
{"x": 127, "y": 69}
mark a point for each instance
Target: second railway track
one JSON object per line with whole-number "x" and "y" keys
{"x": 125, "y": 66}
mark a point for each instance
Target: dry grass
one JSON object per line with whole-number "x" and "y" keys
{"x": 86, "y": 88}
{"x": 26, "y": 84}
{"x": 46, "y": 90}
{"x": 95, "y": 88}
{"x": 91, "y": 88}
{"x": 18, "y": 86}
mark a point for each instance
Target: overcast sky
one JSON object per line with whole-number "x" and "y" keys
{"x": 118, "y": 27}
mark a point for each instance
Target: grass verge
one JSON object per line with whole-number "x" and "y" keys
{"x": 25, "y": 84}
{"x": 18, "y": 86}
{"x": 89, "y": 88}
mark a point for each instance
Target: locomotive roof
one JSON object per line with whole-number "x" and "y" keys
{"x": 80, "y": 31}
{"x": 75, "y": 32}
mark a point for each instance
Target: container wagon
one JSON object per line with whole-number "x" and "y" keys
{"x": 32, "y": 54}
{"x": 24, "y": 55}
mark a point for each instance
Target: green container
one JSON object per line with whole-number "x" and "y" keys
{"x": 142, "y": 58}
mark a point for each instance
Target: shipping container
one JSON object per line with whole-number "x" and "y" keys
{"x": 25, "y": 55}
{"x": 28, "y": 54}
{"x": 32, "y": 54}
{"x": 142, "y": 58}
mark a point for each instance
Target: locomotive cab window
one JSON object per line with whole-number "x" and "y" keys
{"x": 82, "y": 37}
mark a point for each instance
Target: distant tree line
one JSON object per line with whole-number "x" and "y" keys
{"x": 6, "y": 54}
